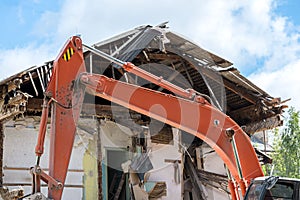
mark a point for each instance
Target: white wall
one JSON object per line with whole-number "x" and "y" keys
{"x": 19, "y": 145}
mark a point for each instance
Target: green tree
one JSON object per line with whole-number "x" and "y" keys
{"x": 286, "y": 156}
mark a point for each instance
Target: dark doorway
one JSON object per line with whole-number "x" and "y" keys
{"x": 117, "y": 181}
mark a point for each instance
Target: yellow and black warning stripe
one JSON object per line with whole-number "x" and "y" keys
{"x": 68, "y": 54}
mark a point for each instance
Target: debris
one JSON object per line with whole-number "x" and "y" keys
{"x": 156, "y": 189}
{"x": 14, "y": 194}
{"x": 141, "y": 164}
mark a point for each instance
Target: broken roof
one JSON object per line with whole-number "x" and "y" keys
{"x": 163, "y": 53}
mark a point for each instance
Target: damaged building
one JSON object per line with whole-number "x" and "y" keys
{"x": 119, "y": 153}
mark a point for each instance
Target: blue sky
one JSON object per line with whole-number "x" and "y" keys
{"x": 261, "y": 38}
{"x": 290, "y": 9}
{"x": 19, "y": 18}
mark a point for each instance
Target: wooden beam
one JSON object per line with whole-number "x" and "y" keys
{"x": 154, "y": 56}
{"x": 245, "y": 114}
{"x": 197, "y": 184}
{"x": 235, "y": 88}
{"x": 16, "y": 105}
{"x": 255, "y": 113}
{"x": 34, "y": 104}
{"x": 246, "y": 109}
{"x": 262, "y": 125}
{"x": 241, "y": 91}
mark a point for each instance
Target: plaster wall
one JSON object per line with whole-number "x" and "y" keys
{"x": 18, "y": 157}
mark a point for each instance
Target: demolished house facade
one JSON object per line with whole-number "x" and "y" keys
{"x": 118, "y": 152}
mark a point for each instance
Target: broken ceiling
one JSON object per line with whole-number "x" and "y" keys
{"x": 163, "y": 53}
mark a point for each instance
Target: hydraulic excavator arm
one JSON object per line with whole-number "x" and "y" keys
{"x": 187, "y": 111}
{"x": 65, "y": 109}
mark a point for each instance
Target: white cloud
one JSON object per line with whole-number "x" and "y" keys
{"x": 15, "y": 60}
{"x": 248, "y": 33}
{"x": 239, "y": 30}
{"x": 46, "y": 26}
{"x": 283, "y": 82}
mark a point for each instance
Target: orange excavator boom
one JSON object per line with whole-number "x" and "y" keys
{"x": 65, "y": 109}
{"x": 187, "y": 111}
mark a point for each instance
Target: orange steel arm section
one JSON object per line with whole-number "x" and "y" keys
{"x": 200, "y": 119}
{"x": 192, "y": 113}
{"x": 65, "y": 110}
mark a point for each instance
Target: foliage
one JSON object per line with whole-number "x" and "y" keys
{"x": 286, "y": 155}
